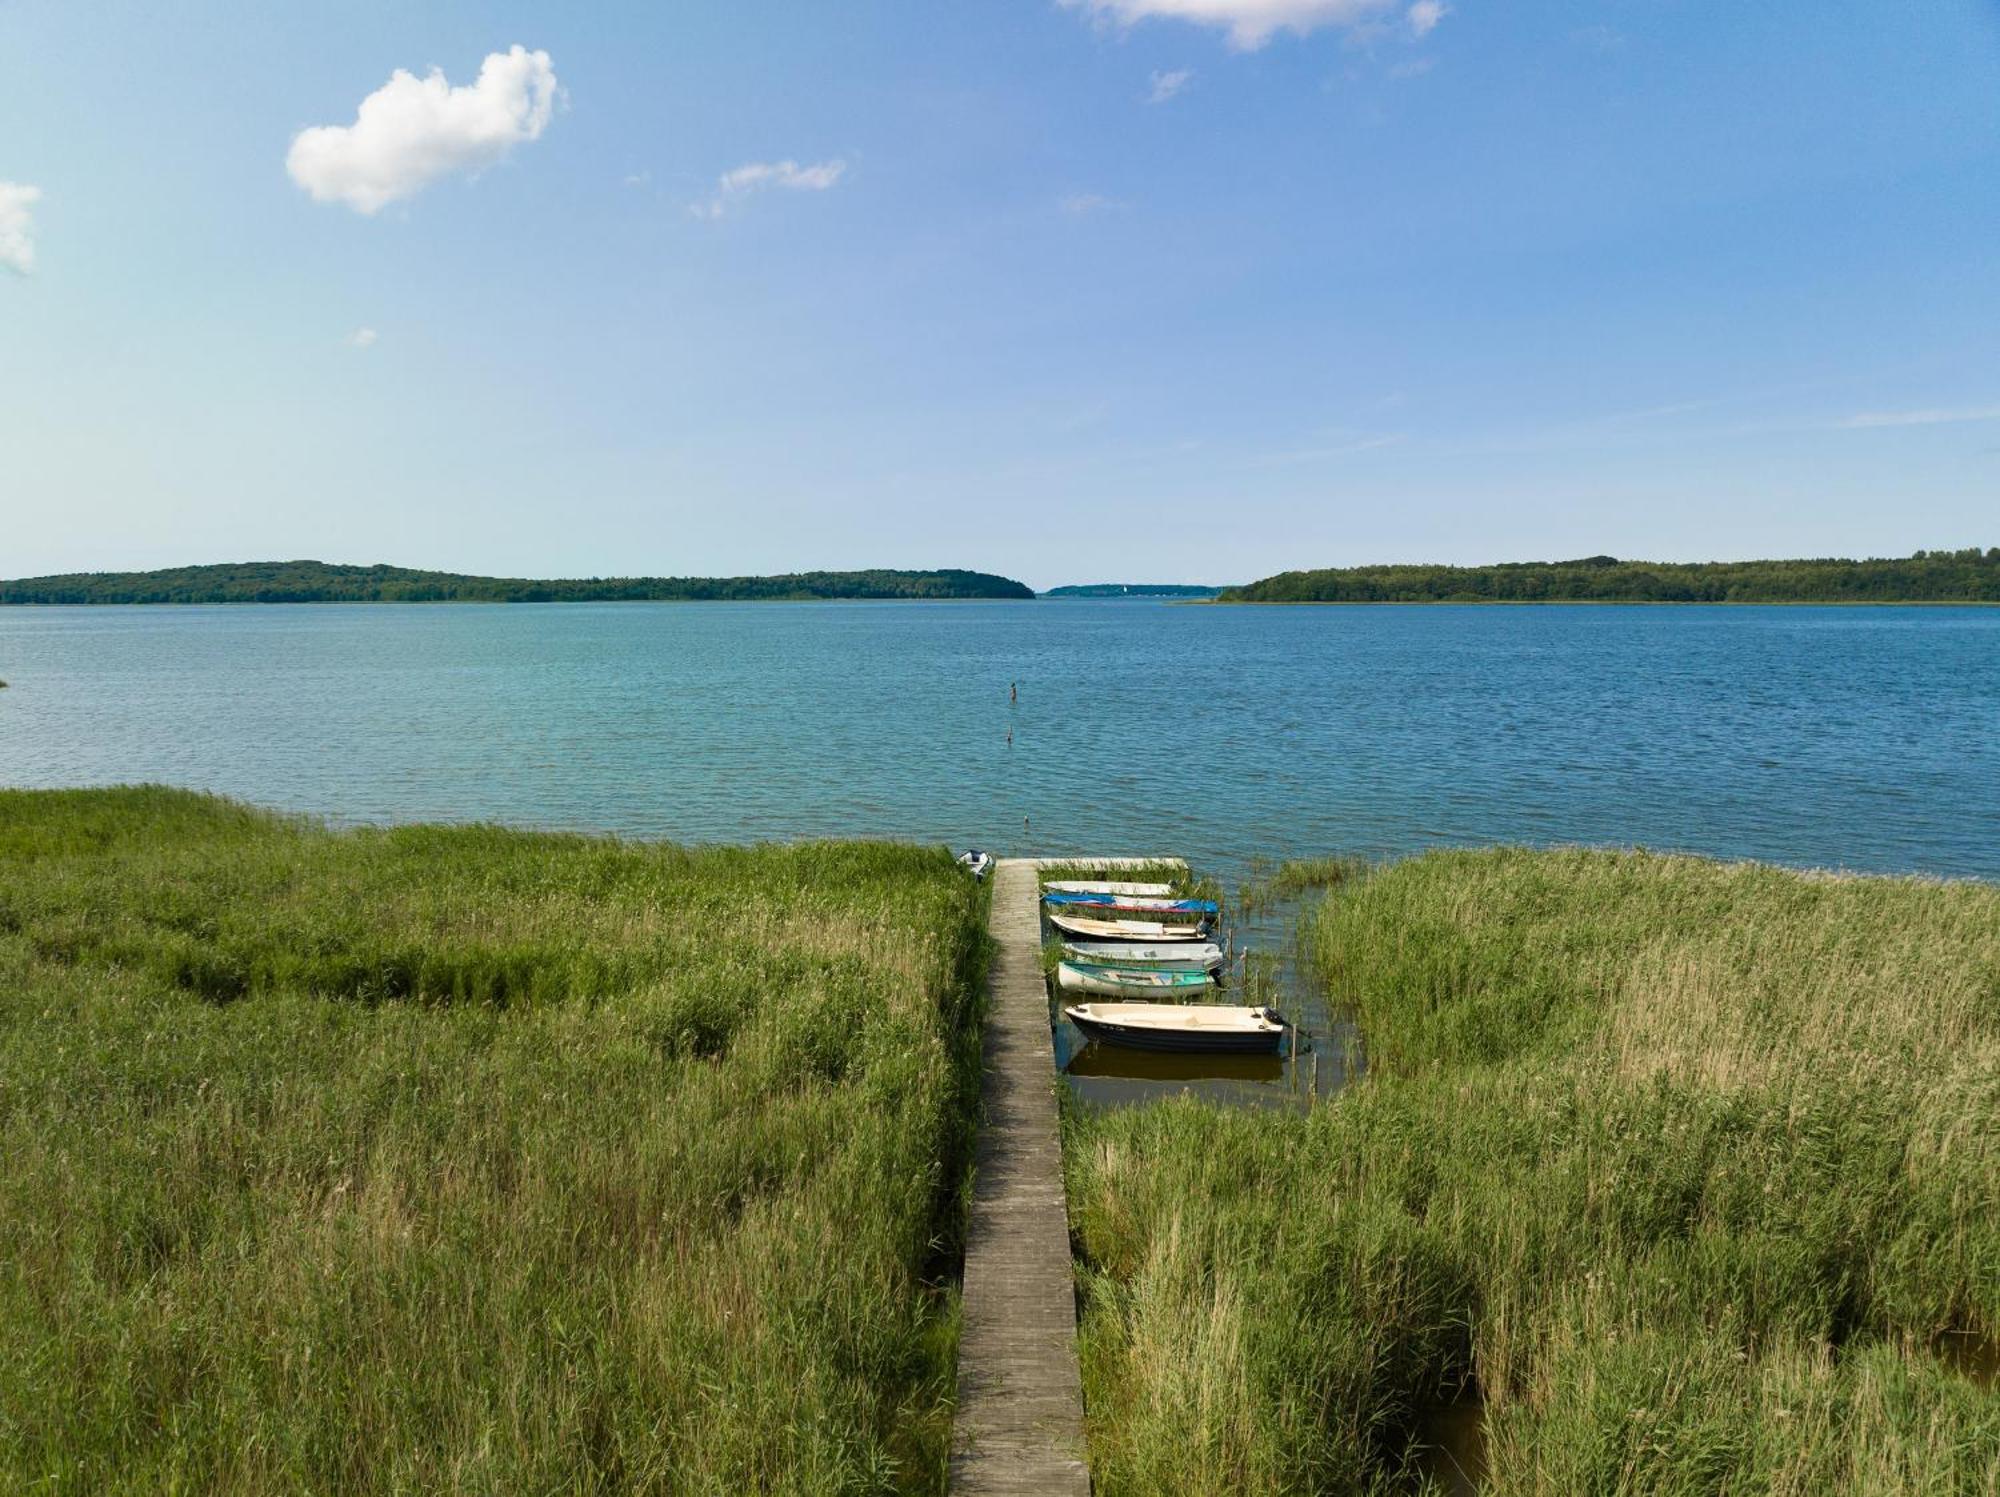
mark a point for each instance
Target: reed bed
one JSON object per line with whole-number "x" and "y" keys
{"x": 469, "y": 1160}
{"x": 1690, "y": 1171}
{"x": 1274, "y": 885}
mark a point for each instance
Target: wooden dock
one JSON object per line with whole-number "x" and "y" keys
{"x": 1019, "y": 1423}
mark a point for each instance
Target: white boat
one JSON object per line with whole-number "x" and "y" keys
{"x": 1125, "y": 930}
{"x": 1086, "y": 886}
{"x": 1180, "y": 1026}
{"x": 1177, "y": 954}
{"x": 1132, "y": 982}
{"x": 975, "y": 862}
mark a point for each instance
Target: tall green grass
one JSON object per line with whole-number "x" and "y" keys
{"x": 468, "y": 1160}
{"x": 1691, "y": 1170}
{"x": 1272, "y": 885}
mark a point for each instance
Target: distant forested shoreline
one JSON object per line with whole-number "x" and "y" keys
{"x": 1131, "y": 590}
{"x": 1967, "y": 576}
{"x": 323, "y": 582}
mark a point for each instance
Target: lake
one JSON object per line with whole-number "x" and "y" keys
{"x": 1866, "y": 738}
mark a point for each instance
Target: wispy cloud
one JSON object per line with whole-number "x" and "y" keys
{"x": 17, "y": 226}
{"x": 1869, "y": 420}
{"x": 1652, "y": 412}
{"x": 1168, "y": 85}
{"x": 411, "y": 131}
{"x": 1339, "y": 449}
{"x": 1081, "y": 203}
{"x": 361, "y": 337}
{"x": 1416, "y": 67}
{"x": 1252, "y": 23}
{"x": 755, "y": 176}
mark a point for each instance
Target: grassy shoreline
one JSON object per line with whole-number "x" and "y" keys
{"x": 1691, "y": 1170}
{"x": 462, "y": 1159}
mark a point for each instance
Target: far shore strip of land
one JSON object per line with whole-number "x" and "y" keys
{"x": 325, "y": 582}
{"x": 1965, "y": 576}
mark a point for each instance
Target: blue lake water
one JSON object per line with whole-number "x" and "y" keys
{"x": 1866, "y": 738}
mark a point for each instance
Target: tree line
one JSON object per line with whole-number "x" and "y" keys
{"x": 1971, "y": 575}
{"x": 322, "y": 582}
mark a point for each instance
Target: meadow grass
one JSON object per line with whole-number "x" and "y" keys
{"x": 470, "y": 1160}
{"x": 1691, "y": 1170}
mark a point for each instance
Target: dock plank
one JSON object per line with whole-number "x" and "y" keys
{"x": 1019, "y": 1422}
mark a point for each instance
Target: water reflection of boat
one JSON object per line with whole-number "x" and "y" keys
{"x": 1180, "y": 1026}
{"x": 1132, "y": 982}
{"x": 1115, "y": 1062}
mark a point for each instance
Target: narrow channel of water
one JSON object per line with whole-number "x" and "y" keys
{"x": 1450, "y": 1453}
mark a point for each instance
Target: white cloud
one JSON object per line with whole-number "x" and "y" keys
{"x": 1251, "y": 23}
{"x": 1425, "y": 14}
{"x": 1167, "y": 85}
{"x": 1416, "y": 67}
{"x": 1869, "y": 420}
{"x": 361, "y": 337}
{"x": 754, "y": 176}
{"x": 17, "y": 225}
{"x": 412, "y": 131}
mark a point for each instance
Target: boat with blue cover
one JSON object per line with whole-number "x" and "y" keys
{"x": 1133, "y": 903}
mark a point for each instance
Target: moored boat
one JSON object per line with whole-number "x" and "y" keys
{"x": 1125, "y": 930}
{"x": 1132, "y": 982}
{"x": 1180, "y": 1026}
{"x": 1122, "y": 902}
{"x": 1177, "y": 954}
{"x": 1086, "y": 886}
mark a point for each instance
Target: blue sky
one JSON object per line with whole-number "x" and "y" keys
{"x": 1113, "y": 289}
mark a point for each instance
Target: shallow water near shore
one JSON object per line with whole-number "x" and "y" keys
{"x": 1866, "y": 738}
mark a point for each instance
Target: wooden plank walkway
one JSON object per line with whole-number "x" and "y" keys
{"x": 1019, "y": 1422}
{"x": 1019, "y": 1425}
